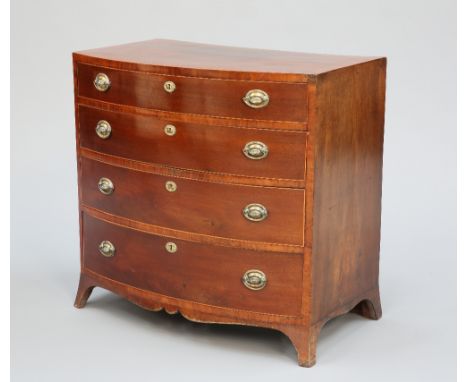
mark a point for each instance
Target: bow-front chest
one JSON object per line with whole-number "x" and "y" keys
{"x": 231, "y": 185}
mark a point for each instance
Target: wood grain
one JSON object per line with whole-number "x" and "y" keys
{"x": 195, "y": 95}
{"x": 198, "y": 272}
{"x": 208, "y": 120}
{"x": 191, "y": 236}
{"x": 174, "y": 172}
{"x": 216, "y": 61}
{"x": 320, "y": 243}
{"x": 199, "y": 207}
{"x": 348, "y": 184}
{"x": 194, "y": 146}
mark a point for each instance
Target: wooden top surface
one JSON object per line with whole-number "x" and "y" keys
{"x": 194, "y": 57}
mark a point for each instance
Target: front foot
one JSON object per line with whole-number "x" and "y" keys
{"x": 304, "y": 339}
{"x": 85, "y": 287}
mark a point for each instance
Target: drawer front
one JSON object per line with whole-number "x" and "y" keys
{"x": 196, "y": 272}
{"x": 202, "y": 207}
{"x": 224, "y": 98}
{"x": 194, "y": 146}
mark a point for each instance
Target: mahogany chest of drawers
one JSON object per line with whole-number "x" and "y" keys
{"x": 231, "y": 185}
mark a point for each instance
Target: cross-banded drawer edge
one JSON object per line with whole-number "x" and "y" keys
{"x": 204, "y": 176}
{"x": 275, "y": 101}
{"x": 190, "y": 236}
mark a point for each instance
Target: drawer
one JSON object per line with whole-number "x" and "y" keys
{"x": 224, "y": 98}
{"x": 208, "y": 208}
{"x": 194, "y": 146}
{"x": 197, "y": 272}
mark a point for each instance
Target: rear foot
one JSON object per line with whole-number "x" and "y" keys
{"x": 370, "y": 307}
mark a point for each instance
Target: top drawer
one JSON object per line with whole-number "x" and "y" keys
{"x": 276, "y": 101}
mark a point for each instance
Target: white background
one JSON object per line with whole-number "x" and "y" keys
{"x": 113, "y": 340}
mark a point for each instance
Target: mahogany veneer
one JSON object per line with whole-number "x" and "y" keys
{"x": 196, "y": 95}
{"x": 195, "y": 146}
{"x": 197, "y": 272}
{"x": 231, "y": 185}
{"x": 203, "y": 207}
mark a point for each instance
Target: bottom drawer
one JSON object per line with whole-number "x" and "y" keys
{"x": 197, "y": 272}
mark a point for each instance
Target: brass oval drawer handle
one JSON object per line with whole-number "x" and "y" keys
{"x": 106, "y": 248}
{"x": 103, "y": 129}
{"x": 106, "y": 186}
{"x": 254, "y": 279}
{"x": 255, "y": 150}
{"x": 256, "y": 98}
{"x": 102, "y": 82}
{"x": 171, "y": 247}
{"x": 255, "y": 212}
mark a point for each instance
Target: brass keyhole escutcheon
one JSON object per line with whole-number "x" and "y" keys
{"x": 102, "y": 82}
{"x": 170, "y": 130}
{"x": 171, "y": 186}
{"x": 169, "y": 86}
{"x": 171, "y": 247}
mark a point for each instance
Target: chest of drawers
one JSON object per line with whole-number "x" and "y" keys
{"x": 231, "y": 185}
